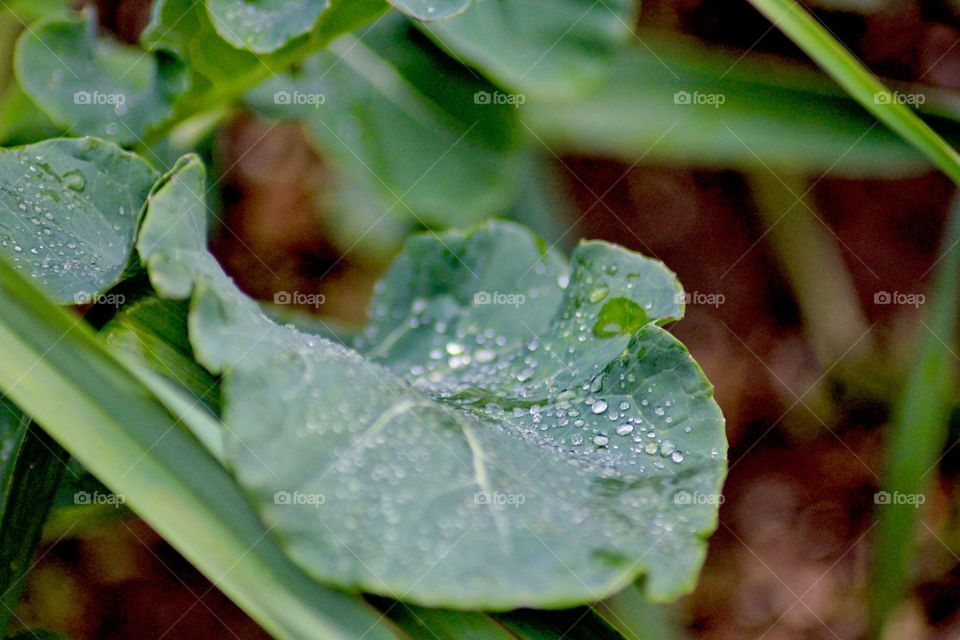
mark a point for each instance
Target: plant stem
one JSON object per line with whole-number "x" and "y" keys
{"x": 827, "y": 297}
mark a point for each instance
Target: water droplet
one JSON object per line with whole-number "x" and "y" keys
{"x": 74, "y": 181}
{"x": 625, "y": 429}
{"x": 484, "y": 355}
{"x": 599, "y": 406}
{"x": 601, "y": 440}
{"x": 598, "y": 294}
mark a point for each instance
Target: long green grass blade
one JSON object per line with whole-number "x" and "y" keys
{"x": 56, "y": 369}
{"x": 920, "y": 427}
{"x": 30, "y": 471}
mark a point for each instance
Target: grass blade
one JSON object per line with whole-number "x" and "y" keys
{"x": 920, "y": 427}
{"x": 30, "y": 473}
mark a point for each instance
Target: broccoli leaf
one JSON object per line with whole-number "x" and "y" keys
{"x": 519, "y": 429}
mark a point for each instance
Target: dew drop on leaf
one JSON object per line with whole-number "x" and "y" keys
{"x": 74, "y": 181}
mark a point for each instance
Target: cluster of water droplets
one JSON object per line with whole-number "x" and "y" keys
{"x": 549, "y": 388}
{"x": 49, "y": 231}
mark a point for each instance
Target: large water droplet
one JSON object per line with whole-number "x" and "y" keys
{"x": 598, "y": 294}
{"x": 74, "y": 181}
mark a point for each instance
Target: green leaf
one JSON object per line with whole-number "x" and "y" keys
{"x": 541, "y": 455}
{"x": 431, "y": 9}
{"x": 31, "y": 467}
{"x": 115, "y": 427}
{"x": 93, "y": 86}
{"x": 544, "y": 49}
{"x": 404, "y": 130}
{"x": 68, "y": 213}
{"x": 263, "y": 26}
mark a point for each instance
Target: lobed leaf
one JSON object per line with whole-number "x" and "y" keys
{"x": 265, "y": 25}
{"x": 69, "y": 209}
{"x": 94, "y": 86}
{"x": 428, "y": 10}
{"x": 470, "y": 441}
